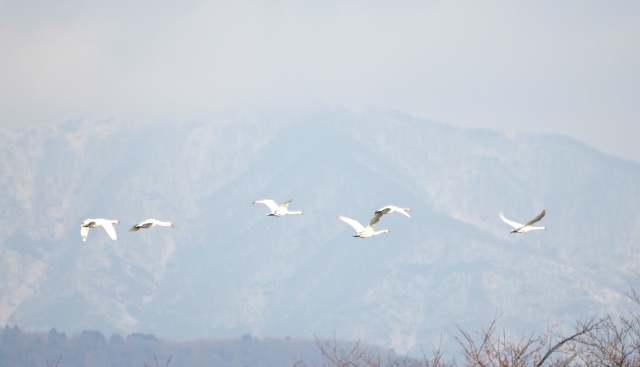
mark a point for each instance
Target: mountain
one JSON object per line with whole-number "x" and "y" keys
{"x": 230, "y": 270}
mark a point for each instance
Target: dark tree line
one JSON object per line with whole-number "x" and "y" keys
{"x": 92, "y": 348}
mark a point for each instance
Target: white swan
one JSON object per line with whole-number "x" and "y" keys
{"x": 150, "y": 223}
{"x": 107, "y": 224}
{"x": 522, "y": 228}
{"x": 391, "y": 209}
{"x": 361, "y": 231}
{"x": 278, "y": 210}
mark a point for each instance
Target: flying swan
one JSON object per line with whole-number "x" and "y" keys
{"x": 150, "y": 223}
{"x": 391, "y": 209}
{"x": 107, "y": 224}
{"x": 522, "y": 228}
{"x": 361, "y": 231}
{"x": 278, "y": 210}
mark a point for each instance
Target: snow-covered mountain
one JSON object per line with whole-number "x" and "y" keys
{"x": 229, "y": 270}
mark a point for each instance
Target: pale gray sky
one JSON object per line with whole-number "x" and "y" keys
{"x": 571, "y": 67}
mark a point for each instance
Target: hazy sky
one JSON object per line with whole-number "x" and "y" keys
{"x": 571, "y": 67}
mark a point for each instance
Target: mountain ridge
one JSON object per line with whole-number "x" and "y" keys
{"x": 229, "y": 270}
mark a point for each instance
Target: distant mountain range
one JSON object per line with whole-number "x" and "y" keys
{"x": 229, "y": 270}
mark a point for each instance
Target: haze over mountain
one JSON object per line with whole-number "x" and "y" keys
{"x": 229, "y": 270}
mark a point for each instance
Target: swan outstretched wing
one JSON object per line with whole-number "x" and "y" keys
{"x": 143, "y": 224}
{"x": 392, "y": 208}
{"x": 110, "y": 230}
{"x": 544, "y": 211}
{"x": 285, "y": 205}
{"x": 513, "y": 224}
{"x": 353, "y": 223}
{"x": 268, "y": 202}
{"x": 375, "y": 219}
{"x": 84, "y": 232}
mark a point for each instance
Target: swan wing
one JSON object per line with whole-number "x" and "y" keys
{"x": 404, "y": 211}
{"x": 87, "y": 222}
{"x": 268, "y": 202}
{"x": 375, "y": 219}
{"x": 285, "y": 205}
{"x": 353, "y": 223}
{"x": 513, "y": 224}
{"x": 540, "y": 216}
{"x": 143, "y": 224}
{"x": 153, "y": 222}
{"x": 385, "y": 210}
{"x": 392, "y": 208}
{"x": 110, "y": 230}
{"x": 84, "y": 232}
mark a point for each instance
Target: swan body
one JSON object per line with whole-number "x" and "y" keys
{"x": 107, "y": 224}
{"x": 278, "y": 210}
{"x": 394, "y": 209}
{"x": 362, "y": 231}
{"x": 150, "y": 223}
{"x": 522, "y": 228}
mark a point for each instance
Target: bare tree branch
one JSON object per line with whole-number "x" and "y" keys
{"x": 53, "y": 362}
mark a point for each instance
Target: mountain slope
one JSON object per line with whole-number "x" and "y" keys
{"x": 229, "y": 269}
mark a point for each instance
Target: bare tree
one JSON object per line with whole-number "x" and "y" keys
{"x": 335, "y": 354}
{"x": 53, "y": 363}
{"x": 617, "y": 342}
{"x": 488, "y": 348}
{"x": 614, "y": 344}
{"x": 155, "y": 358}
{"x": 611, "y": 341}
{"x": 437, "y": 357}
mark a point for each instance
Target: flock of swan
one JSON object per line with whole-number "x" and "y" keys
{"x": 283, "y": 209}
{"x": 107, "y": 224}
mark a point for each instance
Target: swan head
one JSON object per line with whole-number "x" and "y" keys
{"x": 385, "y": 231}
